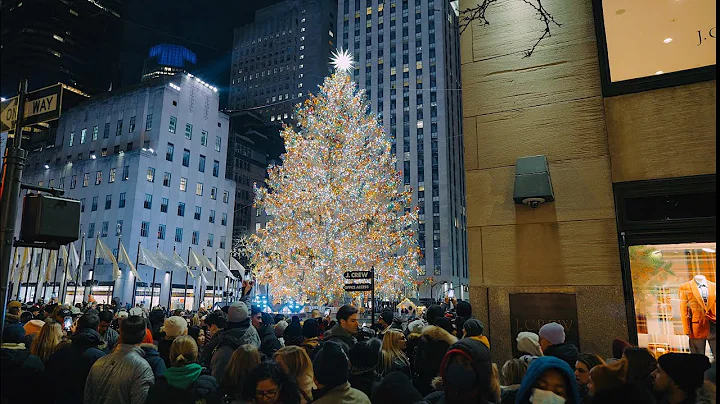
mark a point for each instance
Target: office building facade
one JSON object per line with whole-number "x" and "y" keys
{"x": 148, "y": 165}
{"x": 282, "y": 56}
{"x": 407, "y": 61}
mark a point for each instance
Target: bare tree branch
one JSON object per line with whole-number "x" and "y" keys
{"x": 477, "y": 13}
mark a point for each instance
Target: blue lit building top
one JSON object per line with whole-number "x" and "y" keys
{"x": 172, "y": 55}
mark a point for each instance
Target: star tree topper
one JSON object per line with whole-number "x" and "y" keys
{"x": 342, "y": 61}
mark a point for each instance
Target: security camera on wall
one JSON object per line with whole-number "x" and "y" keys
{"x": 532, "y": 181}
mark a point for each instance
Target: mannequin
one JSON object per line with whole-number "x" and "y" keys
{"x": 697, "y": 308}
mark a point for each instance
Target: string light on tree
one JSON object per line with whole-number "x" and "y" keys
{"x": 335, "y": 205}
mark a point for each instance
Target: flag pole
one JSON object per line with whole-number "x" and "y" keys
{"x": 21, "y": 277}
{"x": 27, "y": 282}
{"x": 37, "y": 282}
{"x": 92, "y": 275}
{"x": 13, "y": 269}
{"x": 215, "y": 281}
{"x": 117, "y": 258}
{"x": 62, "y": 290}
{"x": 77, "y": 272}
{"x": 186, "y": 280}
{"x": 152, "y": 286}
{"x": 57, "y": 264}
{"x": 172, "y": 271}
{"x": 137, "y": 262}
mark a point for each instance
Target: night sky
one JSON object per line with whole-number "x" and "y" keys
{"x": 204, "y": 27}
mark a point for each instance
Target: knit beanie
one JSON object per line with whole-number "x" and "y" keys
{"x": 175, "y": 326}
{"x": 529, "y": 343}
{"x": 363, "y": 357}
{"x": 609, "y": 377}
{"x": 148, "y": 337}
{"x": 463, "y": 309}
{"x": 136, "y": 311}
{"x": 13, "y": 333}
{"x": 686, "y": 370}
{"x": 237, "y": 313}
{"x": 33, "y": 326}
{"x": 387, "y": 316}
{"x": 331, "y": 365}
{"x": 282, "y": 325}
{"x": 310, "y": 328}
{"x": 553, "y": 332}
{"x": 433, "y": 313}
{"x": 445, "y": 324}
{"x": 618, "y": 347}
{"x": 416, "y": 326}
{"x": 473, "y": 327}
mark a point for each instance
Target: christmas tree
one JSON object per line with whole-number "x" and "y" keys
{"x": 335, "y": 203}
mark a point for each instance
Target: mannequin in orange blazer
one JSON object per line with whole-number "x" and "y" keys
{"x": 698, "y": 317}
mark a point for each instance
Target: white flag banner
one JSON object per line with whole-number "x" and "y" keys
{"x": 45, "y": 258}
{"x": 168, "y": 262}
{"x": 51, "y": 263}
{"x": 104, "y": 252}
{"x": 148, "y": 258}
{"x": 202, "y": 275}
{"x": 15, "y": 262}
{"x": 66, "y": 261}
{"x": 194, "y": 260}
{"x": 235, "y": 265}
{"x": 125, "y": 259}
{"x": 224, "y": 268}
{"x": 81, "y": 261}
{"x": 179, "y": 261}
{"x": 207, "y": 263}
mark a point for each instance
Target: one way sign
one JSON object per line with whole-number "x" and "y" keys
{"x": 40, "y": 106}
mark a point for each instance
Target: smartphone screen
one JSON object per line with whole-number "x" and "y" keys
{"x": 67, "y": 323}
{"x": 451, "y": 293}
{"x": 327, "y": 312}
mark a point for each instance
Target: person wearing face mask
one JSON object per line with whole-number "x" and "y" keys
{"x": 548, "y": 380}
{"x": 585, "y": 363}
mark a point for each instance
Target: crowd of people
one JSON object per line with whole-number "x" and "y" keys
{"x": 238, "y": 354}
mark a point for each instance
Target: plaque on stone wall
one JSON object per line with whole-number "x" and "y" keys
{"x": 530, "y": 311}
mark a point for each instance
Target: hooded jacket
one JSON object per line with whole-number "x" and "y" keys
{"x": 429, "y": 353}
{"x": 341, "y": 336}
{"x": 189, "y": 384}
{"x": 123, "y": 377}
{"x": 228, "y": 340}
{"x": 537, "y": 368}
{"x": 269, "y": 343}
{"x": 110, "y": 340}
{"x": 567, "y": 352}
{"x": 19, "y": 370}
{"x": 479, "y": 355}
{"x": 152, "y": 356}
{"x": 73, "y": 362}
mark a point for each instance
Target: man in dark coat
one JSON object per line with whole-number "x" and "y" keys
{"x": 239, "y": 332}
{"x": 429, "y": 353}
{"x": 269, "y": 343}
{"x": 19, "y": 369}
{"x": 67, "y": 369}
{"x": 552, "y": 342}
{"x": 346, "y": 329}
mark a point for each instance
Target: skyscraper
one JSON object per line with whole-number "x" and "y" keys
{"x": 73, "y": 42}
{"x": 282, "y": 56}
{"x": 168, "y": 60}
{"x": 410, "y": 70}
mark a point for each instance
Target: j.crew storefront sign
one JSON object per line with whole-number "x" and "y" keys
{"x": 530, "y": 311}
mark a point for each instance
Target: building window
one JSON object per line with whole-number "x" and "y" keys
{"x": 118, "y": 130}
{"x": 98, "y": 178}
{"x": 210, "y": 240}
{"x": 216, "y": 168}
{"x": 195, "y": 237}
{"x": 144, "y": 229}
{"x": 199, "y": 189}
{"x": 121, "y": 202}
{"x": 211, "y": 218}
{"x": 94, "y": 206}
{"x": 118, "y": 227}
{"x": 198, "y": 212}
{"x": 150, "y": 174}
{"x": 148, "y": 122}
{"x": 203, "y": 138}
{"x": 94, "y": 132}
{"x": 226, "y": 196}
{"x": 111, "y": 178}
{"x": 164, "y": 205}
{"x": 222, "y": 242}
{"x": 73, "y": 181}
{"x": 213, "y": 193}
{"x": 91, "y": 230}
{"x": 183, "y": 184}
{"x": 201, "y": 164}
{"x": 108, "y": 201}
{"x": 104, "y": 230}
{"x": 72, "y": 139}
{"x": 178, "y": 234}
{"x": 161, "y": 232}
{"x": 106, "y": 130}
{"x": 218, "y": 142}
{"x": 188, "y": 131}
{"x": 181, "y": 208}
{"x": 223, "y": 221}
{"x": 170, "y": 152}
{"x": 173, "y": 124}
{"x": 82, "y": 205}
{"x": 166, "y": 179}
{"x": 86, "y": 179}
{"x": 186, "y": 158}
{"x": 148, "y": 201}
{"x": 131, "y": 129}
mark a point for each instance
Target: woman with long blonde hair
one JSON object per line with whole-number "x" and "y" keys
{"x": 392, "y": 354}
{"x": 47, "y": 340}
{"x": 243, "y": 361}
{"x": 295, "y": 361}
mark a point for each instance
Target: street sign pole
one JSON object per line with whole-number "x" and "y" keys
{"x": 372, "y": 295}
{"x": 9, "y": 195}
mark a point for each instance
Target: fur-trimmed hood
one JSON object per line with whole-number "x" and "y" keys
{"x": 706, "y": 394}
{"x": 432, "y": 332}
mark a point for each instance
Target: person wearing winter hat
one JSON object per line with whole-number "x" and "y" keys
{"x": 32, "y": 328}
{"x": 618, "y": 347}
{"x": 384, "y": 323}
{"x": 310, "y": 332}
{"x": 548, "y": 380}
{"x": 465, "y": 374}
{"x": 20, "y": 369}
{"x": 396, "y": 388}
{"x": 364, "y": 358}
{"x": 239, "y": 331}
{"x": 528, "y": 343}
{"x": 293, "y": 332}
{"x": 280, "y": 327}
{"x": 269, "y": 343}
{"x": 474, "y": 328}
{"x": 552, "y": 342}
{"x": 173, "y": 327}
{"x": 679, "y": 376}
{"x": 433, "y": 313}
{"x": 446, "y": 324}
{"x": 331, "y": 367}
{"x": 12, "y": 315}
